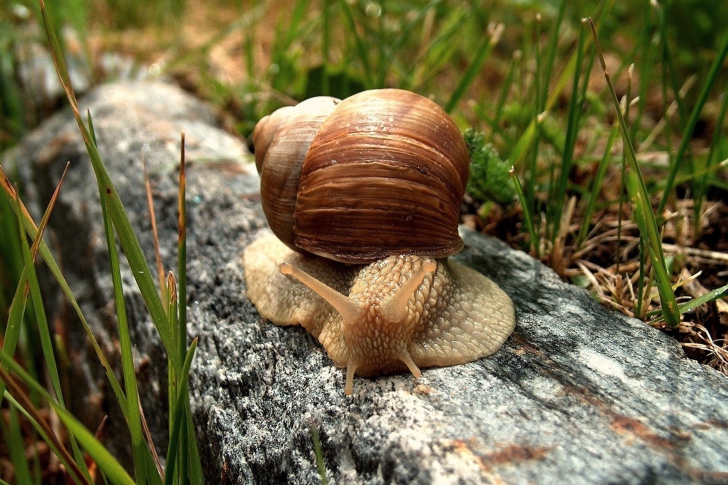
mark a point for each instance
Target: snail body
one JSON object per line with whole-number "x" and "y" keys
{"x": 363, "y": 196}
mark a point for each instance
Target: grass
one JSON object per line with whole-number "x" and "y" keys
{"x": 551, "y": 96}
{"x": 170, "y": 322}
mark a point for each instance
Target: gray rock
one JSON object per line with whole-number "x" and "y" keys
{"x": 578, "y": 394}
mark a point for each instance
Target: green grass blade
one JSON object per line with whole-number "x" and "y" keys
{"x": 193, "y": 453}
{"x": 180, "y": 397}
{"x": 642, "y": 208}
{"x": 50, "y": 441}
{"x": 31, "y": 230}
{"x": 639, "y": 308}
{"x": 182, "y": 251}
{"x": 551, "y": 51}
{"x": 593, "y": 195}
{"x": 43, "y": 328}
{"x": 127, "y": 237}
{"x": 395, "y": 47}
{"x": 532, "y": 181}
{"x": 133, "y": 418}
{"x": 700, "y": 184}
{"x": 668, "y": 63}
{"x": 435, "y": 54}
{"x": 527, "y": 218}
{"x": 572, "y": 129}
{"x": 319, "y": 456}
{"x": 325, "y": 42}
{"x": 113, "y": 470}
{"x": 15, "y": 444}
{"x": 140, "y": 451}
{"x": 361, "y": 47}
{"x": 520, "y": 150}
{"x": 716, "y": 294}
{"x": 193, "y": 465}
{"x": 476, "y": 64}
{"x": 19, "y": 394}
{"x": 15, "y": 321}
{"x": 17, "y": 308}
{"x": 715, "y": 69}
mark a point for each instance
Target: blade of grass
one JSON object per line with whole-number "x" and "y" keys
{"x": 361, "y": 48}
{"x": 17, "y": 307}
{"x": 520, "y": 150}
{"x": 155, "y": 234}
{"x": 667, "y": 61}
{"x": 532, "y": 181}
{"x": 572, "y": 129}
{"x": 617, "y": 256}
{"x": 533, "y": 236}
{"x": 127, "y": 237}
{"x": 46, "y": 433}
{"x": 436, "y": 53}
{"x": 551, "y": 50}
{"x": 46, "y": 339}
{"x": 641, "y": 202}
{"x": 180, "y": 397}
{"x": 15, "y": 321}
{"x": 15, "y": 444}
{"x": 715, "y": 69}
{"x": 325, "y": 38}
{"x": 395, "y": 46}
{"x": 596, "y": 186}
{"x": 173, "y": 382}
{"x": 133, "y": 420}
{"x": 639, "y": 309}
{"x": 96, "y": 450}
{"x": 31, "y": 230}
{"x": 319, "y": 456}
{"x": 474, "y": 67}
{"x": 182, "y": 250}
{"x": 700, "y": 184}
{"x": 20, "y": 397}
{"x": 193, "y": 464}
{"x": 716, "y": 294}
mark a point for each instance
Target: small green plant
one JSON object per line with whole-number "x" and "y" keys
{"x": 489, "y": 175}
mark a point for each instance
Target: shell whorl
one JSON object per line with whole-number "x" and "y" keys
{"x": 281, "y": 141}
{"x": 382, "y": 173}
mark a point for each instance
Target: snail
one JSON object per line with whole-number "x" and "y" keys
{"x": 363, "y": 199}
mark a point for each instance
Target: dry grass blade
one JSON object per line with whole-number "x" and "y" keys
{"x": 47, "y": 214}
{"x": 153, "y": 220}
{"x": 148, "y": 437}
{"x": 718, "y": 354}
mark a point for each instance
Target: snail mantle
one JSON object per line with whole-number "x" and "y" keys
{"x": 578, "y": 393}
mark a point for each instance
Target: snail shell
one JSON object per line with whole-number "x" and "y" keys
{"x": 380, "y": 173}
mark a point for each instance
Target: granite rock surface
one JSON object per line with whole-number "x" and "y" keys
{"x": 578, "y": 394}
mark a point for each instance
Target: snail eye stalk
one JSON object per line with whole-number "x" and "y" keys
{"x": 348, "y": 310}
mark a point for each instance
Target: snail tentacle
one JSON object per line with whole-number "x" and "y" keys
{"x": 348, "y": 309}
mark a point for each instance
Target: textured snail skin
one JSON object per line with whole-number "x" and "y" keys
{"x": 456, "y": 316}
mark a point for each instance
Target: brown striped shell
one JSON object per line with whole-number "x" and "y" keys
{"x": 380, "y": 173}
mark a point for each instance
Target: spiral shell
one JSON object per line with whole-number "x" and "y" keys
{"x": 380, "y": 173}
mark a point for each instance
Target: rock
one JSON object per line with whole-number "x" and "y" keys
{"x": 578, "y": 394}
